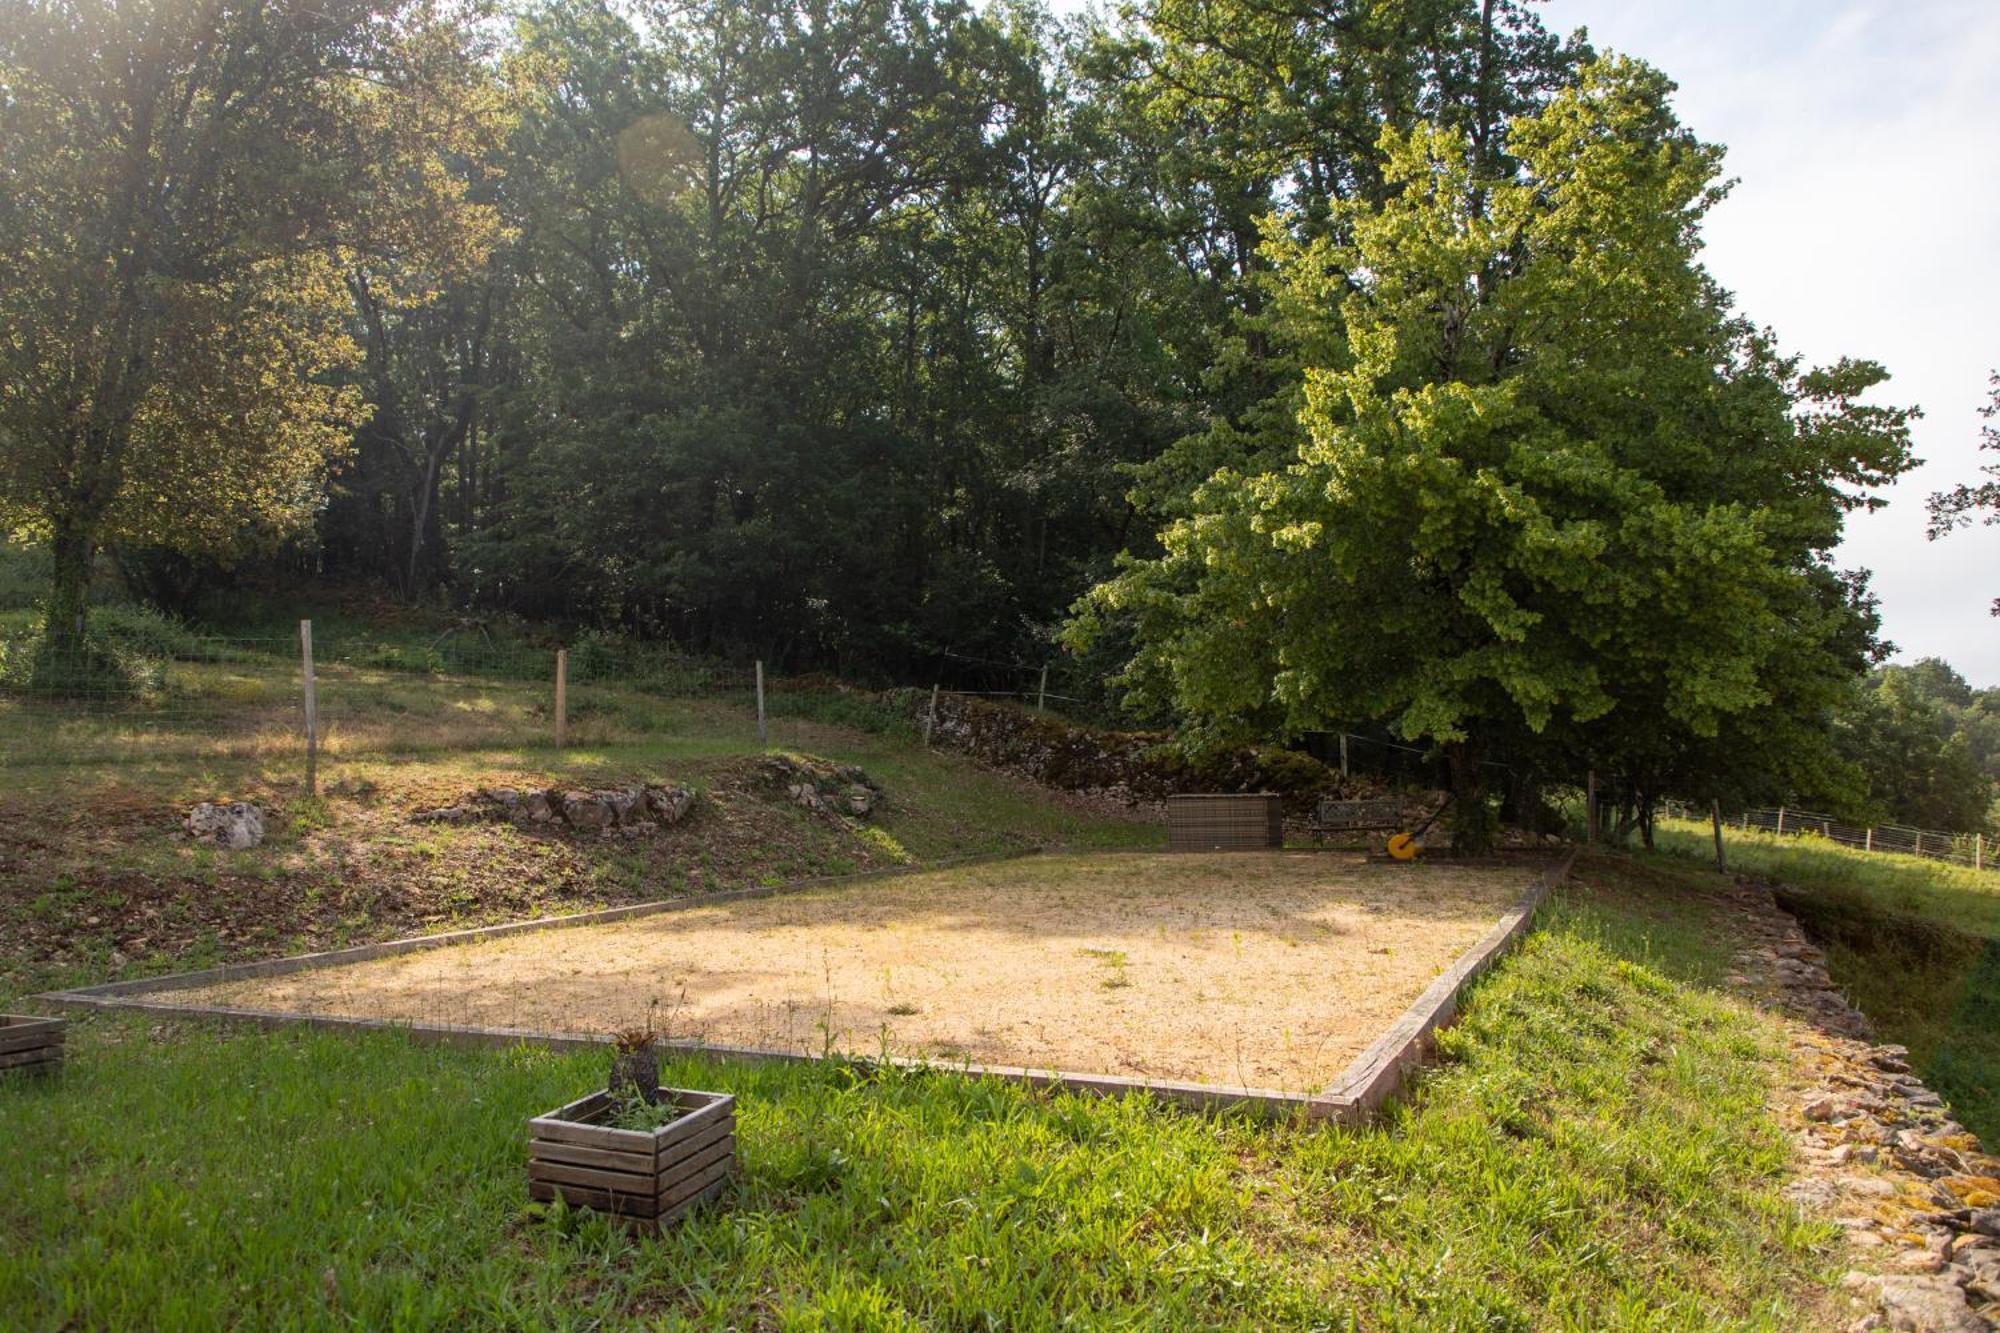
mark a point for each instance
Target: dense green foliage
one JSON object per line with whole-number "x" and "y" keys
{"x": 1552, "y": 496}
{"x": 1927, "y": 745}
{"x": 182, "y": 190}
{"x": 829, "y": 332}
{"x": 1597, "y": 1153}
{"x": 866, "y": 335}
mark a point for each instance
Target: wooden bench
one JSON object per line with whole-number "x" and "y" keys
{"x": 1380, "y": 815}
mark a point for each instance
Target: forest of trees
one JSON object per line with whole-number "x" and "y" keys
{"x": 1927, "y": 744}
{"x": 830, "y": 332}
{"x": 1353, "y": 361}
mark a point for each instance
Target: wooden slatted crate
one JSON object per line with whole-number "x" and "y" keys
{"x": 650, "y": 1177}
{"x": 30, "y": 1045}
{"x": 1225, "y": 822}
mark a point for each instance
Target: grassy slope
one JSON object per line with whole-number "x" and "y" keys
{"x": 1596, "y": 1153}
{"x": 93, "y": 884}
{"x": 1915, "y": 943}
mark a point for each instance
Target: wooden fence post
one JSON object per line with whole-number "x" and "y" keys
{"x": 1590, "y": 807}
{"x": 763, "y": 733}
{"x": 1868, "y": 841}
{"x": 1343, "y": 754}
{"x": 1920, "y": 842}
{"x": 312, "y": 707}
{"x": 562, "y": 697}
{"x": 1979, "y": 851}
{"x": 1042, "y": 691}
{"x": 1781, "y": 821}
{"x": 1715, "y": 818}
{"x": 930, "y": 719}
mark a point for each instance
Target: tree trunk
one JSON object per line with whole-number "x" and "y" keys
{"x": 1524, "y": 800}
{"x": 73, "y": 553}
{"x": 1627, "y": 816}
{"x": 1471, "y": 821}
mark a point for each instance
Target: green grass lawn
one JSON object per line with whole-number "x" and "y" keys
{"x": 1950, "y": 895}
{"x": 1595, "y": 1153}
{"x": 1914, "y": 942}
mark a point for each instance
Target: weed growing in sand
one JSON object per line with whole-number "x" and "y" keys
{"x": 1114, "y": 961}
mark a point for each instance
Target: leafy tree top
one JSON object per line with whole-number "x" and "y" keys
{"x": 1548, "y": 480}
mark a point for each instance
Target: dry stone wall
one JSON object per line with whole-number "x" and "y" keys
{"x": 1135, "y": 765}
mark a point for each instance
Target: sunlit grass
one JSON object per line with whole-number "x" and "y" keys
{"x": 1942, "y": 891}
{"x": 1597, "y": 1153}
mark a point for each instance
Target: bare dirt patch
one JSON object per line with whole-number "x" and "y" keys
{"x": 1269, "y": 970}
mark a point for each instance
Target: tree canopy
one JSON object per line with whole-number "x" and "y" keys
{"x": 182, "y": 188}
{"x": 1957, "y": 507}
{"x": 1359, "y": 358}
{"x": 1549, "y": 484}
{"x": 1927, "y": 746}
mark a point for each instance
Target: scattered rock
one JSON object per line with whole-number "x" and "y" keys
{"x": 830, "y": 790}
{"x": 237, "y": 825}
{"x": 670, "y": 805}
{"x": 626, "y": 804}
{"x": 583, "y": 810}
{"x": 1934, "y": 1304}
{"x": 450, "y": 814}
{"x": 533, "y": 808}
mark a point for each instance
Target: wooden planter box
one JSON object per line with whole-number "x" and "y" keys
{"x": 1225, "y": 823}
{"x": 30, "y": 1045}
{"x": 648, "y": 1176}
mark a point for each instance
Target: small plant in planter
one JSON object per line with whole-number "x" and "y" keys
{"x": 635, "y": 1070}
{"x": 636, "y": 1150}
{"x": 30, "y": 1045}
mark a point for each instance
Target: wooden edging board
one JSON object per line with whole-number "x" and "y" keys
{"x": 1375, "y": 1075}
{"x": 1353, "y": 1099}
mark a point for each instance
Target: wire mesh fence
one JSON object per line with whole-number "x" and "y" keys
{"x": 203, "y": 696}
{"x": 1968, "y": 849}
{"x": 155, "y": 692}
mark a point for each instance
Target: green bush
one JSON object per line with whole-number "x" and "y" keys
{"x": 24, "y": 577}
{"x": 123, "y": 655}
{"x": 874, "y": 713}
{"x": 147, "y": 633}
{"x": 98, "y": 667}
{"x": 398, "y": 657}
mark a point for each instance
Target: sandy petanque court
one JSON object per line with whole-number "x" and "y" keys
{"x": 1268, "y": 970}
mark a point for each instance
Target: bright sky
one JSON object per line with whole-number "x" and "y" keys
{"x": 1866, "y": 136}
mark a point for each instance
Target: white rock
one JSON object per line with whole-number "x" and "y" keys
{"x": 236, "y": 825}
